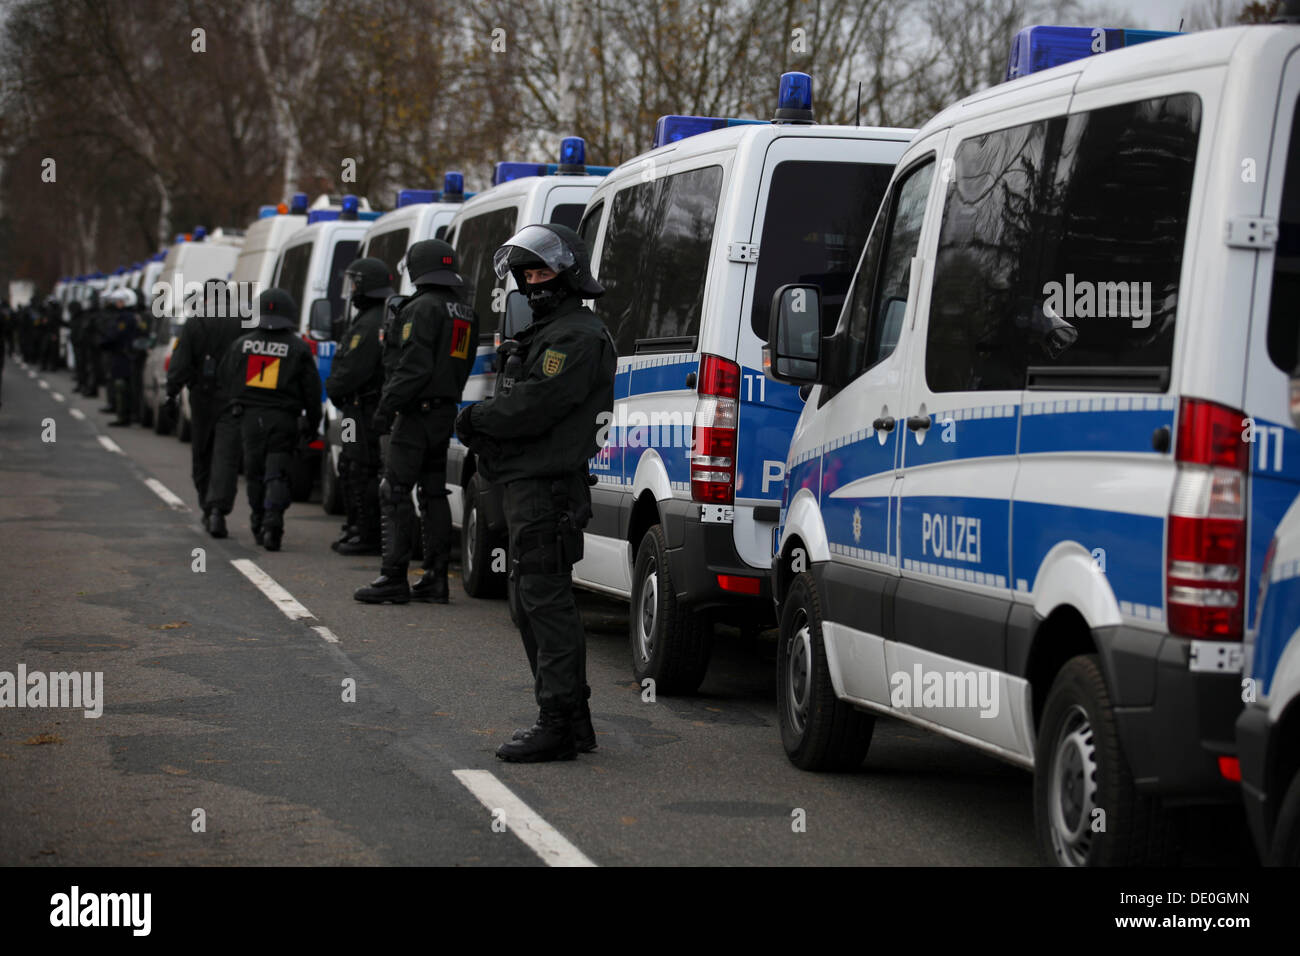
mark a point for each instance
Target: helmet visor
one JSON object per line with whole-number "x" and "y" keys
{"x": 350, "y": 281}
{"x": 531, "y": 244}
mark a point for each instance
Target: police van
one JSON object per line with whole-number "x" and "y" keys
{"x": 310, "y": 268}
{"x": 1047, "y": 442}
{"x": 1268, "y": 730}
{"x": 420, "y": 214}
{"x": 521, "y": 194}
{"x": 689, "y": 240}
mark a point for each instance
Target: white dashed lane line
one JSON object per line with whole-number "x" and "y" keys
{"x": 111, "y": 445}
{"x": 44, "y": 384}
{"x": 538, "y": 835}
{"x": 277, "y": 595}
{"x": 56, "y": 396}
{"x": 77, "y": 413}
{"x": 165, "y": 493}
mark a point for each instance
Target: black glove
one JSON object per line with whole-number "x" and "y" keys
{"x": 382, "y": 424}
{"x": 465, "y": 426}
{"x": 305, "y": 430}
{"x": 172, "y": 403}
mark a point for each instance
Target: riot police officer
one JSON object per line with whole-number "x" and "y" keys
{"x": 355, "y": 383}
{"x": 438, "y": 336}
{"x": 123, "y": 342}
{"x": 268, "y": 380}
{"x": 205, "y": 339}
{"x": 534, "y": 437}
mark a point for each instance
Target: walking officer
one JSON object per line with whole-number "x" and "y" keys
{"x": 122, "y": 343}
{"x": 355, "y": 384}
{"x": 438, "y": 335}
{"x": 268, "y": 380}
{"x": 534, "y": 437}
{"x": 205, "y": 339}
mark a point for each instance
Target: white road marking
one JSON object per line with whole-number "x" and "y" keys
{"x": 30, "y": 373}
{"x": 538, "y": 835}
{"x": 165, "y": 493}
{"x": 56, "y": 396}
{"x": 43, "y": 384}
{"x": 325, "y": 633}
{"x": 109, "y": 444}
{"x": 77, "y": 414}
{"x": 278, "y": 596}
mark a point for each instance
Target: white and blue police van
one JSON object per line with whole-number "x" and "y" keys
{"x": 521, "y": 194}
{"x": 310, "y": 268}
{"x": 690, "y": 240}
{"x": 1047, "y": 442}
{"x": 419, "y": 214}
{"x": 1268, "y": 730}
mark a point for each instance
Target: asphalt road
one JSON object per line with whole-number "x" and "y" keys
{"x": 215, "y": 700}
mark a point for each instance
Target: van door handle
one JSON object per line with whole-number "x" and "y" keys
{"x": 918, "y": 423}
{"x": 884, "y": 424}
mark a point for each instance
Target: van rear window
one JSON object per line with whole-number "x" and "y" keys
{"x": 817, "y": 219}
{"x": 388, "y": 248}
{"x": 292, "y": 277}
{"x": 477, "y": 241}
{"x": 1284, "y": 303}
{"x": 655, "y": 260}
{"x": 1061, "y": 248}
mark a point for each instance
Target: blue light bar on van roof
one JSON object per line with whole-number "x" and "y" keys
{"x": 453, "y": 185}
{"x": 298, "y": 204}
{"x": 1039, "y": 48}
{"x": 322, "y": 215}
{"x": 412, "y": 197}
{"x": 351, "y": 206}
{"x": 573, "y": 154}
{"x": 264, "y": 212}
{"x": 200, "y": 233}
{"x": 794, "y": 99}
{"x": 671, "y": 129}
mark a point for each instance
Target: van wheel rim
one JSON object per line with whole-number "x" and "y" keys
{"x": 799, "y": 675}
{"x": 647, "y": 613}
{"x": 1072, "y": 789}
{"x": 471, "y": 526}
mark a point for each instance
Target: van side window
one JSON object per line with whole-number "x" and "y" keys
{"x": 1061, "y": 246}
{"x": 292, "y": 277}
{"x": 590, "y": 226}
{"x": 1284, "y": 303}
{"x": 567, "y": 214}
{"x": 816, "y": 221}
{"x": 656, "y": 257}
{"x": 880, "y": 290}
{"x": 477, "y": 239}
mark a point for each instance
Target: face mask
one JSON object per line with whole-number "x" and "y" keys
{"x": 545, "y": 297}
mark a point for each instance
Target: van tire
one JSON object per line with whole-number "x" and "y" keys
{"x": 818, "y": 730}
{"x": 476, "y": 542}
{"x": 1078, "y": 739}
{"x": 331, "y": 490}
{"x": 1286, "y": 835}
{"x": 670, "y": 644}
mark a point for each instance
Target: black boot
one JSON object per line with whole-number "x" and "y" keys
{"x": 216, "y": 523}
{"x": 255, "y": 522}
{"x": 432, "y": 587}
{"x": 584, "y": 734}
{"x": 385, "y": 589}
{"x": 346, "y": 533}
{"x": 366, "y": 537}
{"x": 551, "y": 739}
{"x": 272, "y": 529}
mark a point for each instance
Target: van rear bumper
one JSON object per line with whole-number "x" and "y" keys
{"x": 1174, "y": 723}
{"x": 1253, "y": 727}
{"x": 699, "y": 552}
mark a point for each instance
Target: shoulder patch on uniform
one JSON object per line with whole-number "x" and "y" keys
{"x": 356, "y": 340}
{"x": 406, "y": 331}
{"x": 552, "y": 362}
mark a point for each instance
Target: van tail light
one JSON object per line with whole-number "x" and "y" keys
{"x": 1206, "y": 570}
{"x": 713, "y": 438}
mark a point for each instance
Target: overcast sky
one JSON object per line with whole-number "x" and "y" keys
{"x": 1158, "y": 14}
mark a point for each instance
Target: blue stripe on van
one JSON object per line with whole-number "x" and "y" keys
{"x": 949, "y": 549}
{"x": 1110, "y": 424}
{"x": 982, "y": 432}
{"x": 1132, "y": 547}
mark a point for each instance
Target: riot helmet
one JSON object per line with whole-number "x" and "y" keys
{"x": 367, "y": 278}
{"x": 432, "y": 262}
{"x": 276, "y": 310}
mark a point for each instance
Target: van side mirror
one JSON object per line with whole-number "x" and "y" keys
{"x": 320, "y": 324}
{"x": 519, "y": 315}
{"x": 794, "y": 342}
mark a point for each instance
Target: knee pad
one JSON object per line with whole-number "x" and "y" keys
{"x": 394, "y": 492}
{"x": 277, "y": 494}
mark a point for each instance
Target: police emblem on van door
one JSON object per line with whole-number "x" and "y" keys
{"x": 857, "y": 525}
{"x": 552, "y": 362}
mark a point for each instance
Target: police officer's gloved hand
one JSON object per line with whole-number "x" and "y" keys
{"x": 381, "y": 424}
{"x": 305, "y": 432}
{"x": 465, "y": 426}
{"x": 172, "y": 404}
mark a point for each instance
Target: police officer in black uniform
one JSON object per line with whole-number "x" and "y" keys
{"x": 123, "y": 343}
{"x": 438, "y": 342}
{"x": 534, "y": 437}
{"x": 268, "y": 380}
{"x": 355, "y": 383}
{"x": 205, "y": 339}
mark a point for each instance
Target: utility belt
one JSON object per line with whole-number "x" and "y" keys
{"x": 423, "y": 406}
{"x": 556, "y": 550}
{"x": 368, "y": 400}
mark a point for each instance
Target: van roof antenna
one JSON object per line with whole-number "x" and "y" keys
{"x": 857, "y": 113}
